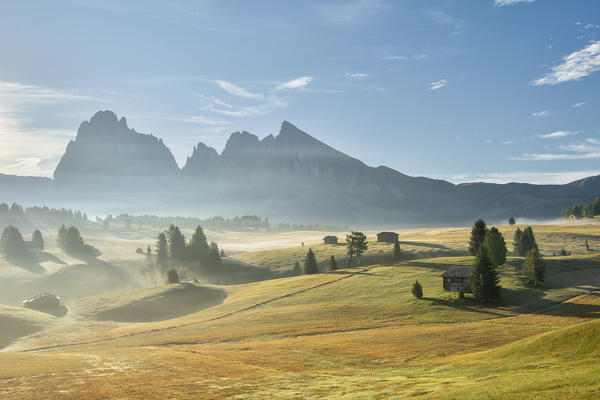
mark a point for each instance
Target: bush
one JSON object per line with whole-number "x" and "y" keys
{"x": 172, "y": 276}
{"x": 417, "y": 290}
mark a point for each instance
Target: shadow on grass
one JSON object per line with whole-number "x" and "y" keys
{"x": 466, "y": 304}
{"x": 28, "y": 263}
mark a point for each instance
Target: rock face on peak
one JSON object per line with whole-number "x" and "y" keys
{"x": 290, "y": 176}
{"x": 105, "y": 146}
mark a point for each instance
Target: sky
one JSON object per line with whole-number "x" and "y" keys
{"x": 486, "y": 90}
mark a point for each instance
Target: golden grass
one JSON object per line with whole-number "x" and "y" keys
{"x": 356, "y": 333}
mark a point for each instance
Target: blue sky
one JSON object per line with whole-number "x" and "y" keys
{"x": 493, "y": 90}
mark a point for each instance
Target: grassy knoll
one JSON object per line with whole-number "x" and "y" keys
{"x": 354, "y": 333}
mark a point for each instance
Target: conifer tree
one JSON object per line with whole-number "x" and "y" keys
{"x": 511, "y": 221}
{"x": 297, "y": 268}
{"x": 162, "y": 250}
{"x": 477, "y": 236}
{"x": 517, "y": 241}
{"x": 596, "y": 206}
{"x": 397, "y": 251}
{"x": 60, "y": 238}
{"x": 357, "y": 244}
{"x": 496, "y": 246}
{"x": 527, "y": 242}
{"x": 198, "y": 247}
{"x": 332, "y": 263}
{"x": 149, "y": 250}
{"x": 214, "y": 259}
{"x": 484, "y": 278}
{"x": 534, "y": 267}
{"x": 417, "y": 290}
{"x": 310, "y": 263}
{"x": 73, "y": 241}
{"x": 177, "y": 246}
{"x": 37, "y": 239}
{"x": 12, "y": 243}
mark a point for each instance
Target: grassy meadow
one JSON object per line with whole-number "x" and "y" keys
{"x": 353, "y": 333}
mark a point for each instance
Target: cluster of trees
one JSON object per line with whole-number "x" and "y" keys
{"x": 218, "y": 223}
{"x": 172, "y": 248}
{"x": 12, "y": 243}
{"x": 70, "y": 241}
{"x": 524, "y": 241}
{"x": 489, "y": 248}
{"x": 16, "y": 214}
{"x": 589, "y": 210}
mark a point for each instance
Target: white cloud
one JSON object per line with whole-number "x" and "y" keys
{"x": 540, "y": 114}
{"x": 237, "y": 91}
{"x": 295, "y": 83}
{"x": 558, "y": 134}
{"x": 587, "y": 150}
{"x": 502, "y": 3}
{"x": 27, "y": 93}
{"x": 392, "y": 57}
{"x": 438, "y": 85}
{"x": 540, "y": 178}
{"x": 574, "y": 66}
{"x": 578, "y": 104}
{"x": 349, "y": 12}
{"x": 356, "y": 75}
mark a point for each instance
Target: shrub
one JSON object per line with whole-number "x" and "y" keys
{"x": 417, "y": 290}
{"x": 172, "y": 276}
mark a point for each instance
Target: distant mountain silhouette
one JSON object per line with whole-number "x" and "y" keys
{"x": 105, "y": 146}
{"x": 291, "y": 176}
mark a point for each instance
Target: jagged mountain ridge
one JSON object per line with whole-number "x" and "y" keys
{"x": 291, "y": 175}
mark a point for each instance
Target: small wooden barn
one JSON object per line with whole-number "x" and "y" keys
{"x": 456, "y": 278}
{"x": 389, "y": 237}
{"x": 330, "y": 239}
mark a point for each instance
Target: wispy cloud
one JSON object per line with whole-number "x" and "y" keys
{"x": 295, "y": 83}
{"x": 237, "y": 91}
{"x": 393, "y": 57}
{"x": 578, "y": 104}
{"x": 574, "y": 66}
{"x": 502, "y": 3}
{"x": 349, "y": 11}
{"x": 587, "y": 150}
{"x": 22, "y": 92}
{"x": 356, "y": 75}
{"x": 541, "y": 114}
{"x": 558, "y": 134}
{"x": 438, "y": 85}
{"x": 444, "y": 18}
{"x": 540, "y": 178}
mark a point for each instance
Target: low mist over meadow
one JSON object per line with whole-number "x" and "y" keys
{"x": 357, "y": 199}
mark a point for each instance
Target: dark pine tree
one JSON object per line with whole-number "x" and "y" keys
{"x": 198, "y": 247}
{"x": 517, "y": 238}
{"x": 397, "y": 251}
{"x": 496, "y": 246}
{"x": 511, "y": 221}
{"x": 332, "y": 263}
{"x": 527, "y": 242}
{"x": 310, "y": 263}
{"x": 177, "y": 245}
{"x": 477, "y": 236}
{"x": 162, "y": 250}
{"x": 60, "y": 238}
{"x": 214, "y": 258}
{"x": 297, "y": 268}
{"x": 417, "y": 290}
{"x": 12, "y": 243}
{"x": 484, "y": 278}
{"x": 534, "y": 267}
{"x": 37, "y": 239}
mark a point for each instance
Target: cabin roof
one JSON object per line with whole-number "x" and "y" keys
{"x": 387, "y": 233}
{"x": 330, "y": 237}
{"x": 458, "y": 271}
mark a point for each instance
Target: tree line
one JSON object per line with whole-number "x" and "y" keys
{"x": 17, "y": 214}
{"x": 172, "y": 249}
{"x": 589, "y": 210}
{"x": 218, "y": 223}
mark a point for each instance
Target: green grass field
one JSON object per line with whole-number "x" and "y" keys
{"x": 353, "y": 333}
